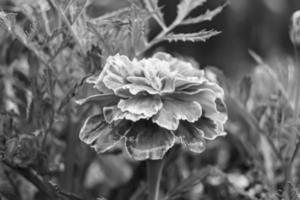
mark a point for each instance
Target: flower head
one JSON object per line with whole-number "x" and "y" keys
{"x": 152, "y": 103}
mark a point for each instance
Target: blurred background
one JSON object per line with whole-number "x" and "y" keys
{"x": 258, "y": 25}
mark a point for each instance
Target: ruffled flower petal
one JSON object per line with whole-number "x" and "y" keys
{"x": 213, "y": 106}
{"x": 168, "y": 85}
{"x": 210, "y": 128}
{"x": 135, "y": 89}
{"x": 184, "y": 69}
{"x": 191, "y": 137}
{"x": 100, "y": 135}
{"x": 174, "y": 110}
{"x": 114, "y": 81}
{"x": 114, "y": 113}
{"x": 138, "y": 80}
{"x": 151, "y": 73}
{"x": 100, "y": 99}
{"x": 188, "y": 87}
{"x": 146, "y": 140}
{"x": 146, "y": 105}
{"x": 116, "y": 70}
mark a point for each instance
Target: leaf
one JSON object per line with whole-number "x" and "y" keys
{"x": 201, "y": 36}
{"x": 207, "y": 16}
{"x": 185, "y": 7}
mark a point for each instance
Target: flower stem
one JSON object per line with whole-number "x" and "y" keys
{"x": 154, "y": 171}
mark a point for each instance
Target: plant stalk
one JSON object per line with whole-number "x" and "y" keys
{"x": 154, "y": 172}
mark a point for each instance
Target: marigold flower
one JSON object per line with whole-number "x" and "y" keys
{"x": 151, "y": 104}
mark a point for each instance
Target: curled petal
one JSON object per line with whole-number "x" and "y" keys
{"x": 99, "y": 85}
{"x": 146, "y": 105}
{"x": 151, "y": 73}
{"x": 135, "y": 89}
{"x": 119, "y": 65}
{"x": 210, "y": 128}
{"x": 114, "y": 113}
{"x": 163, "y": 56}
{"x": 146, "y": 140}
{"x": 213, "y": 106}
{"x": 114, "y": 81}
{"x": 184, "y": 69}
{"x": 138, "y": 80}
{"x": 191, "y": 137}
{"x": 214, "y": 87}
{"x": 116, "y": 70}
{"x": 174, "y": 110}
{"x": 188, "y": 87}
{"x": 100, "y": 135}
{"x": 101, "y": 99}
{"x": 168, "y": 85}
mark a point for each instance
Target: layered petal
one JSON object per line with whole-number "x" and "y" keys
{"x": 182, "y": 68}
{"x": 146, "y": 140}
{"x": 113, "y": 113}
{"x": 212, "y": 106}
{"x": 191, "y": 137}
{"x": 100, "y": 135}
{"x": 135, "y": 89}
{"x": 174, "y": 110}
{"x": 168, "y": 85}
{"x": 116, "y": 70}
{"x": 210, "y": 128}
{"x": 146, "y": 105}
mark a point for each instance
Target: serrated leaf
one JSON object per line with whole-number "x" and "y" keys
{"x": 201, "y": 36}
{"x": 185, "y": 7}
{"x": 207, "y": 16}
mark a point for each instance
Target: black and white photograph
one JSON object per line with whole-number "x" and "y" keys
{"x": 149, "y": 99}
